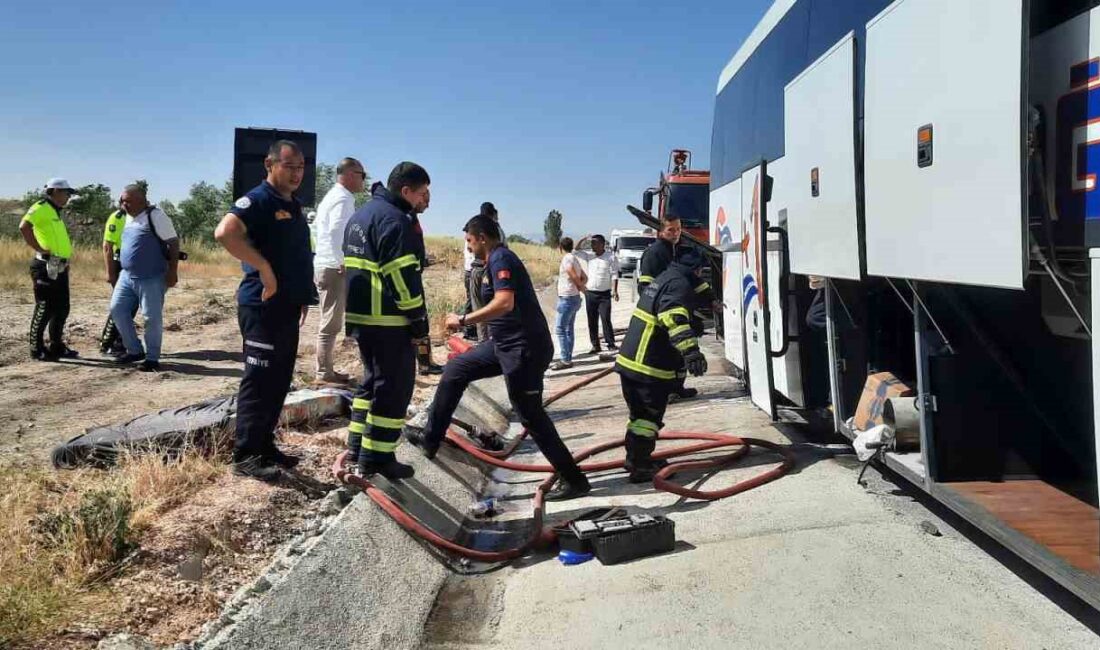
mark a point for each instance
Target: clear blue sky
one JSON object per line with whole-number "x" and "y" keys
{"x": 560, "y": 104}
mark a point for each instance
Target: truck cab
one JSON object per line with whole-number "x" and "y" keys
{"x": 683, "y": 192}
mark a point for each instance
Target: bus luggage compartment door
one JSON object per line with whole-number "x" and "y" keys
{"x": 819, "y": 124}
{"x": 944, "y": 146}
{"x": 754, "y": 296}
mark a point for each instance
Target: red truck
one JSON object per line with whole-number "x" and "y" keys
{"x": 683, "y": 192}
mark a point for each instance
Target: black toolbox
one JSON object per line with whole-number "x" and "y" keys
{"x": 621, "y": 538}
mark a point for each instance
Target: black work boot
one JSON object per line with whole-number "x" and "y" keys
{"x": 640, "y": 464}
{"x": 284, "y": 460}
{"x": 682, "y": 394}
{"x": 257, "y": 467}
{"x": 391, "y": 469}
{"x": 417, "y": 437}
{"x": 565, "y": 490}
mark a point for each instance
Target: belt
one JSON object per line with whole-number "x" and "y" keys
{"x": 44, "y": 258}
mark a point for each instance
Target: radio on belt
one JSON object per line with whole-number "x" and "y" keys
{"x": 622, "y": 538}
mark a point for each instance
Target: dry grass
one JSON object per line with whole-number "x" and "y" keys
{"x": 66, "y": 533}
{"x": 205, "y": 262}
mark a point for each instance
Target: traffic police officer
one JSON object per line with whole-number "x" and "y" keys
{"x": 110, "y": 342}
{"x": 267, "y": 231}
{"x": 658, "y": 343}
{"x": 44, "y": 231}
{"x": 519, "y": 347}
{"x": 655, "y": 260}
{"x": 386, "y": 314}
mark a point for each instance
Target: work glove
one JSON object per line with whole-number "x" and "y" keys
{"x": 418, "y": 329}
{"x": 696, "y": 363}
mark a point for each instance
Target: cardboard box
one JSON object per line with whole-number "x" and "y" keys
{"x": 879, "y": 387}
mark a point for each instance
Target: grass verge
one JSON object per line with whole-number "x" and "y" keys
{"x": 67, "y": 533}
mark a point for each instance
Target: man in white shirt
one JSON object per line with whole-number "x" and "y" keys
{"x": 328, "y": 262}
{"x": 603, "y": 285}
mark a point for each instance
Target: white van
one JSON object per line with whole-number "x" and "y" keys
{"x": 628, "y": 246}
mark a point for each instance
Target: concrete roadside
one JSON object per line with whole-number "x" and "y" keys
{"x": 811, "y": 560}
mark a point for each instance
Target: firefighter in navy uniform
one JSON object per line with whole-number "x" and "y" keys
{"x": 655, "y": 260}
{"x": 660, "y": 344}
{"x": 386, "y": 314}
{"x": 267, "y": 231}
{"x": 519, "y": 347}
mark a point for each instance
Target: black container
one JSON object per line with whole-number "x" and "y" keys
{"x": 622, "y": 538}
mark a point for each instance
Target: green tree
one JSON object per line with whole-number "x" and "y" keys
{"x": 518, "y": 239}
{"x": 91, "y": 205}
{"x": 551, "y": 229}
{"x": 200, "y": 212}
{"x": 325, "y": 179}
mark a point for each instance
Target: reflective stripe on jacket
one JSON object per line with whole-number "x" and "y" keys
{"x": 660, "y": 331}
{"x": 383, "y": 258}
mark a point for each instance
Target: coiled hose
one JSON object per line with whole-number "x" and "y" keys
{"x": 662, "y": 481}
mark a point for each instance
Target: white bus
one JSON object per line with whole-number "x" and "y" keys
{"x": 937, "y": 162}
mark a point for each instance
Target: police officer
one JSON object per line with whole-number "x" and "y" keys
{"x": 655, "y": 260}
{"x": 44, "y": 231}
{"x": 650, "y": 372}
{"x": 266, "y": 230}
{"x": 110, "y": 342}
{"x": 519, "y": 347}
{"x": 386, "y": 314}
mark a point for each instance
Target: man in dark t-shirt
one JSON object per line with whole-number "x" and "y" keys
{"x": 266, "y": 231}
{"x": 519, "y": 347}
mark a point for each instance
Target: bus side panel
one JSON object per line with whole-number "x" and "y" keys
{"x": 782, "y": 317}
{"x": 725, "y": 208}
{"x": 944, "y": 142}
{"x": 753, "y": 297}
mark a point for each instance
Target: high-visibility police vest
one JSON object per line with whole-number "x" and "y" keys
{"x": 660, "y": 331}
{"x": 112, "y": 230}
{"x": 49, "y": 229}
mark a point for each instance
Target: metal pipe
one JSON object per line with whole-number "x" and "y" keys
{"x": 930, "y": 317}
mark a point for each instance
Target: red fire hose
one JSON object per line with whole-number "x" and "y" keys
{"x": 498, "y": 459}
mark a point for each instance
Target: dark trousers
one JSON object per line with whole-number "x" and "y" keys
{"x": 597, "y": 305}
{"x": 110, "y": 338}
{"x": 524, "y": 382}
{"x": 646, "y": 403}
{"x": 647, "y": 400}
{"x": 51, "y": 308}
{"x": 379, "y": 405}
{"x": 471, "y": 330}
{"x": 270, "y": 334}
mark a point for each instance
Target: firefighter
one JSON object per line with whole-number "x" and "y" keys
{"x": 386, "y": 314}
{"x": 44, "y": 230}
{"x": 655, "y": 260}
{"x": 659, "y": 345}
{"x": 519, "y": 347}
{"x": 110, "y": 342}
{"x": 266, "y": 230}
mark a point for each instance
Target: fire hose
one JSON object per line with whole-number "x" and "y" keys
{"x": 661, "y": 481}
